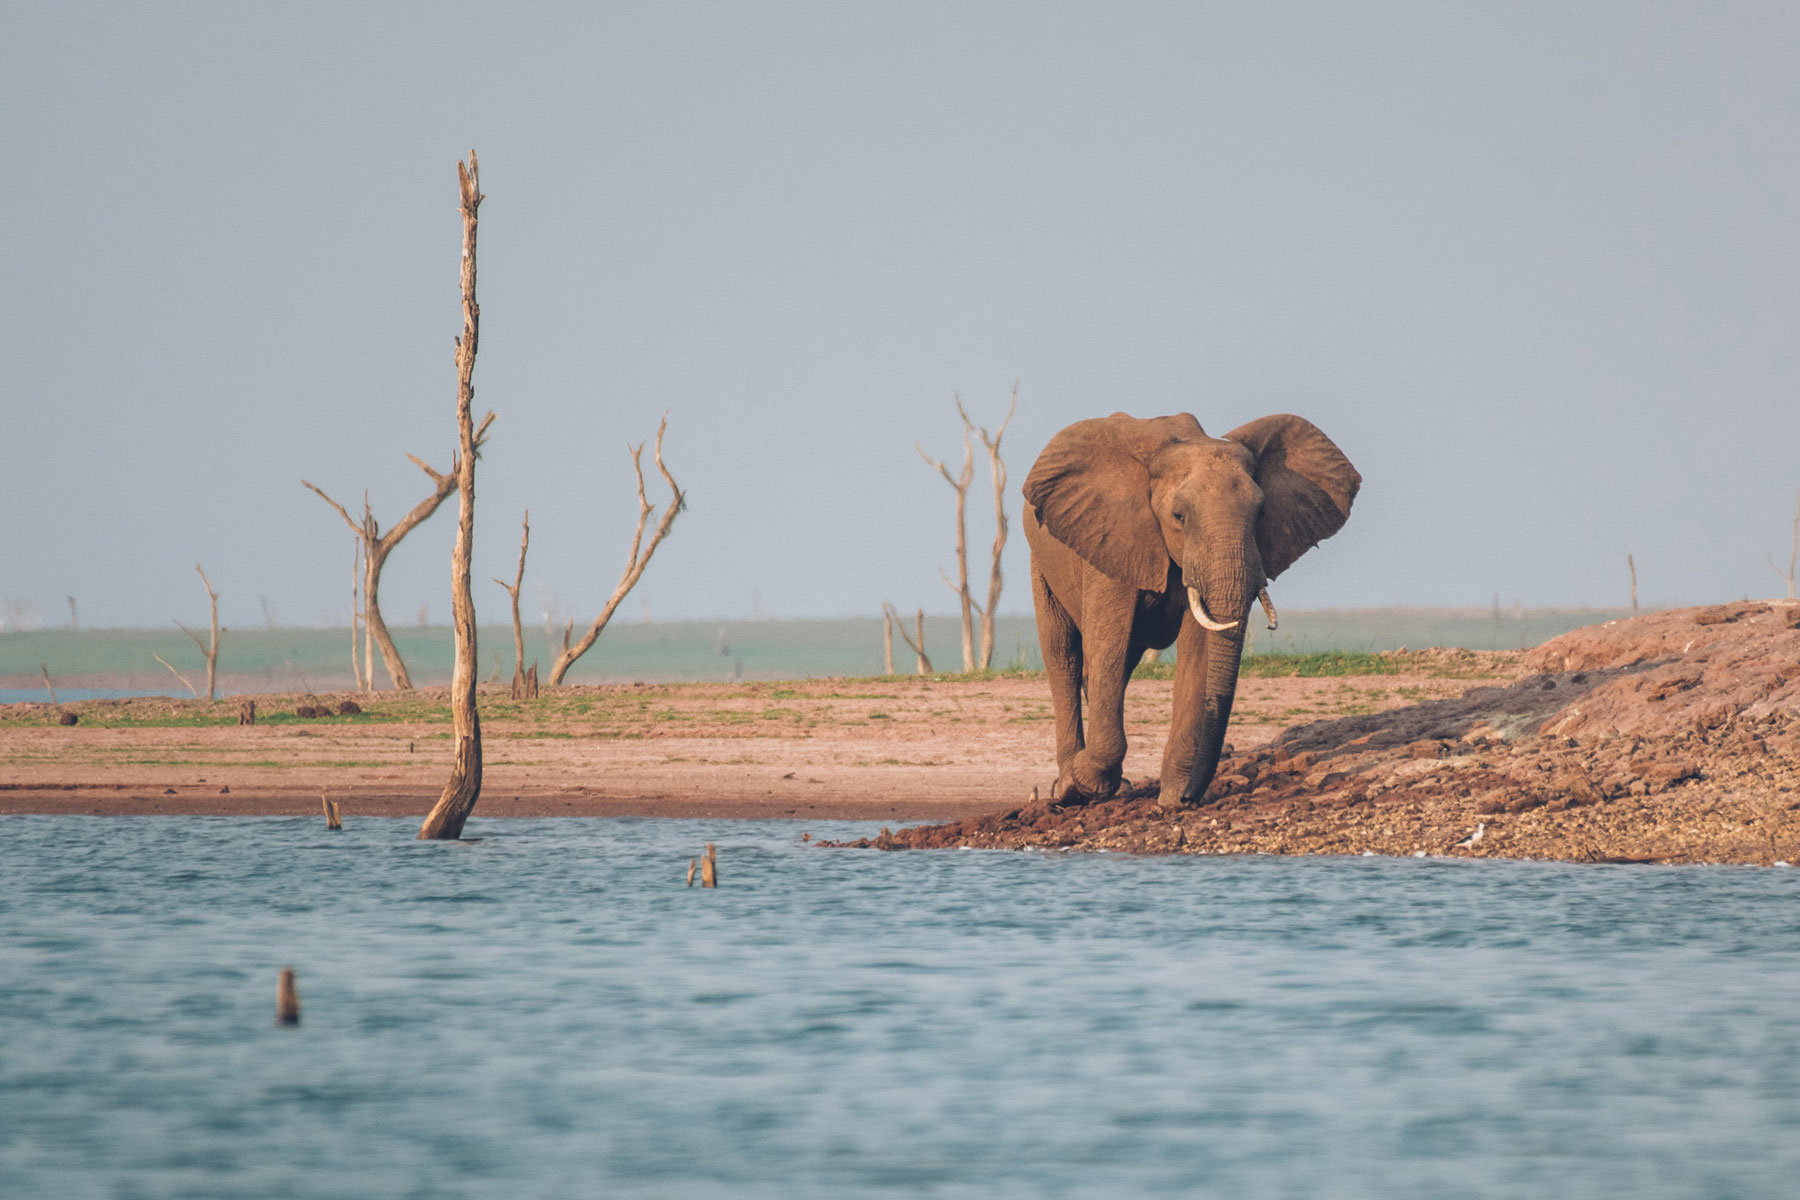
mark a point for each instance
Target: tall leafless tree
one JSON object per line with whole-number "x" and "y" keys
{"x": 960, "y": 483}
{"x": 887, "y": 639}
{"x": 918, "y": 647}
{"x": 635, "y": 562}
{"x": 447, "y": 816}
{"x": 996, "y": 473}
{"x": 376, "y": 546}
{"x": 512, "y": 589}
{"x": 1793, "y": 552}
{"x": 208, "y": 648}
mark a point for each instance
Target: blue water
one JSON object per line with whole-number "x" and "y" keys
{"x": 549, "y": 1012}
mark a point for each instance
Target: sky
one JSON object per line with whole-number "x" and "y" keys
{"x": 1534, "y": 267}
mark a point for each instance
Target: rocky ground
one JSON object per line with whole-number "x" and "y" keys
{"x": 1673, "y": 737}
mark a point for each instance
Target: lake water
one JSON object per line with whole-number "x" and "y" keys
{"x": 277, "y": 660}
{"x": 549, "y": 1012}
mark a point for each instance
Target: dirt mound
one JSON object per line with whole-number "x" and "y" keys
{"x": 1670, "y": 737}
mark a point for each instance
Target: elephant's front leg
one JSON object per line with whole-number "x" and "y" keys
{"x": 1060, "y": 642}
{"x": 1106, "y": 665}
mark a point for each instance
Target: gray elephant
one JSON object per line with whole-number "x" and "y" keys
{"x": 1147, "y": 533}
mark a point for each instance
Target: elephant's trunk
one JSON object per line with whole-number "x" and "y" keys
{"x": 1223, "y": 653}
{"x": 1229, "y": 587}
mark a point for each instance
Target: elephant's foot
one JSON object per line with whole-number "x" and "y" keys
{"x": 1174, "y": 796}
{"x": 1083, "y": 778}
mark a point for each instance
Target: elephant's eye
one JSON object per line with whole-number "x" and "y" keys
{"x": 1180, "y": 517}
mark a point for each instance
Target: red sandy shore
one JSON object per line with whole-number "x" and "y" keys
{"x": 1668, "y": 738}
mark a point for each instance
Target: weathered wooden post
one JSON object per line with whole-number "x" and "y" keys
{"x": 334, "y": 819}
{"x": 287, "y": 999}
{"x": 709, "y": 868}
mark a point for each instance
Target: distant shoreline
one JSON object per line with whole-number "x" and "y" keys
{"x": 286, "y": 660}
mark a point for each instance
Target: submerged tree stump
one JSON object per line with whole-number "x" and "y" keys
{"x": 287, "y": 999}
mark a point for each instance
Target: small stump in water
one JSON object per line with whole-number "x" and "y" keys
{"x": 287, "y": 999}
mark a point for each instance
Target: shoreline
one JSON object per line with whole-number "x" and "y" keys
{"x": 1673, "y": 737}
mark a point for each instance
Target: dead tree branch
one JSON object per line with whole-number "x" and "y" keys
{"x": 635, "y": 562}
{"x": 512, "y": 589}
{"x": 960, "y": 484}
{"x": 211, "y": 650}
{"x": 185, "y": 682}
{"x": 447, "y": 816}
{"x": 376, "y": 546}
{"x": 918, "y": 647}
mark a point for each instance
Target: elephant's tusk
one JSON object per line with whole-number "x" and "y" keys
{"x": 1268, "y": 607}
{"x": 1201, "y": 615}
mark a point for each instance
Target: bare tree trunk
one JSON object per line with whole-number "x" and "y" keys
{"x": 369, "y": 575}
{"x": 887, "y": 640}
{"x": 960, "y": 484}
{"x": 635, "y": 562}
{"x": 446, "y": 819}
{"x": 512, "y": 589}
{"x": 917, "y": 647}
{"x": 1793, "y": 554}
{"x": 356, "y": 614}
{"x": 1632, "y": 567}
{"x": 997, "y": 473}
{"x": 211, "y": 650}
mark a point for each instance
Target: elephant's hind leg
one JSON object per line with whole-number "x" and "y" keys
{"x": 1060, "y": 642}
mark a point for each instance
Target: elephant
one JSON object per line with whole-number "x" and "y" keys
{"x": 1146, "y": 533}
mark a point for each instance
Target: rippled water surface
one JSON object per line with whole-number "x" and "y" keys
{"x": 549, "y": 1012}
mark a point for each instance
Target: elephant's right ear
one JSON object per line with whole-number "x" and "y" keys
{"x": 1092, "y": 494}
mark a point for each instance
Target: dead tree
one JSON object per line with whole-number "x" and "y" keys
{"x": 376, "y": 546}
{"x": 446, "y": 818}
{"x": 1630, "y": 565}
{"x": 917, "y": 647}
{"x": 634, "y": 563}
{"x": 210, "y": 649}
{"x": 887, "y": 640}
{"x": 997, "y": 473}
{"x": 960, "y": 484}
{"x": 1793, "y": 552}
{"x": 512, "y": 589}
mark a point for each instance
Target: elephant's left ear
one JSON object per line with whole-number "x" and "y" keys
{"x": 1307, "y": 485}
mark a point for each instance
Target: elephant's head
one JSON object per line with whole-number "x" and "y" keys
{"x": 1135, "y": 497}
{"x": 1131, "y": 496}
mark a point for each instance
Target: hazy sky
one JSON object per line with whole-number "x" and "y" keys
{"x": 1536, "y": 268}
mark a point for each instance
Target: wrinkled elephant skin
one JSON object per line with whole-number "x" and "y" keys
{"x": 1146, "y": 534}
